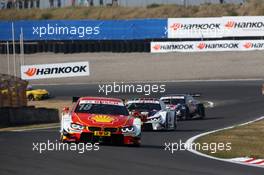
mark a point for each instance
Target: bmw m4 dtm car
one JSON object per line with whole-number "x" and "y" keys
{"x": 153, "y": 114}
{"x": 103, "y": 120}
{"x": 185, "y": 106}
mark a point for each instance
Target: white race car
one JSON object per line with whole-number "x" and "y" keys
{"x": 153, "y": 114}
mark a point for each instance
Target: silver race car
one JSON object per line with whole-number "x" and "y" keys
{"x": 185, "y": 106}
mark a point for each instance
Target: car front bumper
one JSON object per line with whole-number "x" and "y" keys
{"x": 115, "y": 138}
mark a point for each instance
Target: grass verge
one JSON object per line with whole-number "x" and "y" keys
{"x": 247, "y": 141}
{"x": 250, "y": 8}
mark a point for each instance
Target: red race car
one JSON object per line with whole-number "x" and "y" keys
{"x": 100, "y": 120}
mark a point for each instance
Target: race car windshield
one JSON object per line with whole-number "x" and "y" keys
{"x": 174, "y": 101}
{"x": 101, "y": 109}
{"x": 144, "y": 106}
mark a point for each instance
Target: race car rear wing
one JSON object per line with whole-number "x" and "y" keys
{"x": 144, "y": 99}
{"x": 184, "y": 94}
{"x": 195, "y": 94}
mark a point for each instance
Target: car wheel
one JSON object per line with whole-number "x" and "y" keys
{"x": 136, "y": 145}
{"x": 187, "y": 115}
{"x": 175, "y": 122}
{"x": 31, "y": 97}
{"x": 166, "y": 122}
{"x": 201, "y": 111}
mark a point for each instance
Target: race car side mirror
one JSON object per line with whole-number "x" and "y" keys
{"x": 66, "y": 109}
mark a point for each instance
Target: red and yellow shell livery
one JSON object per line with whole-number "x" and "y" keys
{"x": 100, "y": 119}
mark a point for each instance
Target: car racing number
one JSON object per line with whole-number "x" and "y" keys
{"x": 102, "y": 133}
{"x": 85, "y": 107}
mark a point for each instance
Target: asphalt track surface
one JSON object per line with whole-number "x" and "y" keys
{"x": 236, "y": 102}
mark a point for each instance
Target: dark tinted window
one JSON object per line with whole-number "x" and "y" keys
{"x": 144, "y": 106}
{"x": 174, "y": 101}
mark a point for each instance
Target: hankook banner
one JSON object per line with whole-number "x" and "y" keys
{"x": 243, "y": 26}
{"x": 207, "y": 46}
{"x": 195, "y": 28}
{"x": 58, "y": 70}
{"x": 217, "y": 27}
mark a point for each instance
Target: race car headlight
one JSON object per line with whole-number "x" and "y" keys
{"x": 76, "y": 126}
{"x": 127, "y": 129}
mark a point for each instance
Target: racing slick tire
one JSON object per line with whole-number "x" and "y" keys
{"x": 187, "y": 115}
{"x": 166, "y": 125}
{"x": 136, "y": 145}
{"x": 175, "y": 122}
{"x": 201, "y": 111}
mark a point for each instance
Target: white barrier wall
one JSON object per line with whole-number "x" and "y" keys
{"x": 207, "y": 46}
{"x": 216, "y": 27}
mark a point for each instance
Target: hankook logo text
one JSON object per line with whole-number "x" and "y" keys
{"x": 56, "y": 70}
{"x": 177, "y": 46}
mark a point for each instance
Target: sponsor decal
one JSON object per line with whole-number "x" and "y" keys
{"x": 218, "y": 46}
{"x": 217, "y": 27}
{"x": 156, "y": 47}
{"x": 171, "y": 46}
{"x": 201, "y": 45}
{"x": 243, "y": 25}
{"x": 254, "y": 45}
{"x": 176, "y": 26}
{"x": 248, "y": 45}
{"x": 206, "y": 46}
{"x": 230, "y": 24}
{"x": 103, "y": 119}
{"x": 176, "y": 46}
{"x": 101, "y": 102}
{"x": 194, "y": 27}
{"x": 31, "y": 72}
{"x": 54, "y": 70}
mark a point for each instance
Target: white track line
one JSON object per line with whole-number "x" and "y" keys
{"x": 32, "y": 129}
{"x": 144, "y": 82}
{"x": 189, "y": 142}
